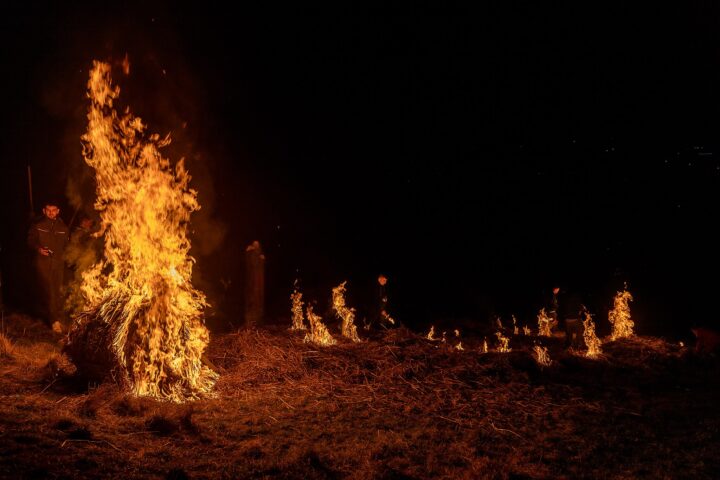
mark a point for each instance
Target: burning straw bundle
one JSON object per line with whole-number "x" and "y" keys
{"x": 143, "y": 318}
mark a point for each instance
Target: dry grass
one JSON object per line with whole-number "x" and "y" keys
{"x": 395, "y": 406}
{"x": 7, "y": 349}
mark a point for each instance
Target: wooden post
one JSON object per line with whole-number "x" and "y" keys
{"x": 254, "y": 285}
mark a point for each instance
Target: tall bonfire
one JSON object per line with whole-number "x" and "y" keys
{"x": 142, "y": 320}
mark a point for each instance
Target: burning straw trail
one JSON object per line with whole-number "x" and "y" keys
{"x": 396, "y": 405}
{"x": 142, "y": 315}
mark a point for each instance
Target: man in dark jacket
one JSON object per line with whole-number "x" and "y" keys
{"x": 48, "y": 238}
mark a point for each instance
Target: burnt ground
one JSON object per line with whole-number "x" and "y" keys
{"x": 396, "y": 406}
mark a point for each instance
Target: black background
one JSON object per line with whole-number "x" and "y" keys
{"x": 475, "y": 157}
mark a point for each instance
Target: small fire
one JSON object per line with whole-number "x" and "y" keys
{"x": 527, "y": 330}
{"x": 498, "y": 322}
{"x": 298, "y": 321}
{"x": 541, "y": 356}
{"x": 503, "y": 343}
{"x": 386, "y": 316}
{"x": 516, "y": 330}
{"x": 592, "y": 341}
{"x": 431, "y": 333}
{"x": 318, "y": 334}
{"x": 545, "y": 324}
{"x": 619, "y": 316}
{"x": 459, "y": 345}
{"x": 140, "y": 306}
{"x": 485, "y": 346}
{"x": 347, "y": 315}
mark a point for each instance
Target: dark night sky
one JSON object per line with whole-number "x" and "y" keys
{"x": 474, "y": 156}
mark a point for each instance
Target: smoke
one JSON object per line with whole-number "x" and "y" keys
{"x": 81, "y": 253}
{"x": 80, "y": 189}
{"x": 208, "y": 233}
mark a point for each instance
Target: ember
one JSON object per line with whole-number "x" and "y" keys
{"x": 541, "y": 356}
{"x": 297, "y": 309}
{"x": 545, "y": 324}
{"x": 459, "y": 346}
{"x": 503, "y": 343}
{"x": 592, "y": 341}
{"x": 347, "y": 315}
{"x": 319, "y": 334}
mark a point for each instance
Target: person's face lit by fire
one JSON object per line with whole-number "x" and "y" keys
{"x": 382, "y": 280}
{"x": 51, "y": 211}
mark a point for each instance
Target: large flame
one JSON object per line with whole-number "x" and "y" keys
{"x": 141, "y": 293}
{"x": 592, "y": 341}
{"x": 347, "y": 315}
{"x": 619, "y": 316}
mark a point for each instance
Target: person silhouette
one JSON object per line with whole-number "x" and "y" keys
{"x": 48, "y": 238}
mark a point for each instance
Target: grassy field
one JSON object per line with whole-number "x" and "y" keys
{"x": 395, "y": 406}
